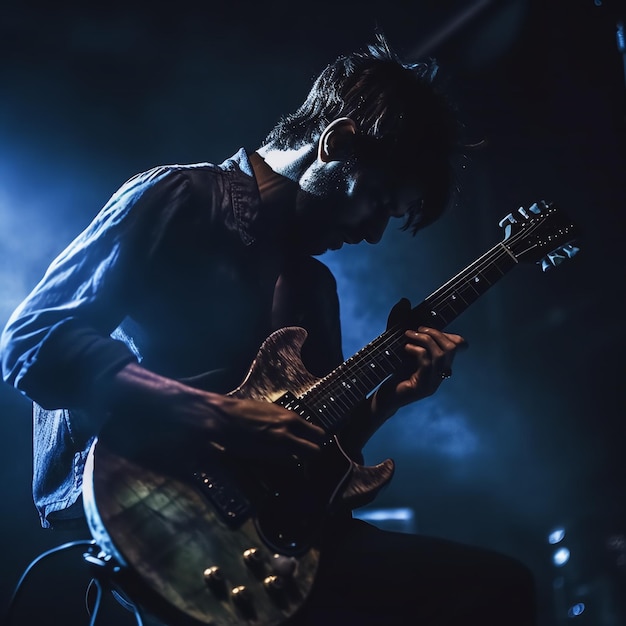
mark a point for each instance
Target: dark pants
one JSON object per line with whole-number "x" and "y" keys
{"x": 371, "y": 577}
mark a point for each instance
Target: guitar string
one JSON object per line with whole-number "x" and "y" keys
{"x": 392, "y": 339}
{"x": 361, "y": 370}
{"x": 489, "y": 258}
{"x": 389, "y": 339}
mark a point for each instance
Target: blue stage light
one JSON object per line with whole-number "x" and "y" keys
{"x": 576, "y": 609}
{"x": 558, "y": 534}
{"x": 561, "y": 557}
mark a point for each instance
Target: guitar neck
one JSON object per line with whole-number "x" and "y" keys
{"x": 334, "y": 397}
{"x": 451, "y": 299}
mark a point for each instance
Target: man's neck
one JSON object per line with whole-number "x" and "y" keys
{"x": 274, "y": 189}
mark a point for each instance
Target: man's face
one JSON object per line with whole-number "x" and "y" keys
{"x": 341, "y": 202}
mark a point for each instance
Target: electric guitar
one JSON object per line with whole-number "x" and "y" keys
{"x": 202, "y": 538}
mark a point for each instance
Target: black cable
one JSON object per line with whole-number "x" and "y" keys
{"x": 88, "y": 604}
{"x": 96, "y": 605}
{"x": 129, "y": 606}
{"x": 138, "y": 616}
{"x": 104, "y": 583}
{"x": 93, "y": 613}
{"x": 20, "y": 584}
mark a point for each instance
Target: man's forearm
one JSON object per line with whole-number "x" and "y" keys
{"x": 143, "y": 392}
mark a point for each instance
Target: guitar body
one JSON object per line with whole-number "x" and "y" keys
{"x": 201, "y": 538}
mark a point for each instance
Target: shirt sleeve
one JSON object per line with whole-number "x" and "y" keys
{"x": 57, "y": 343}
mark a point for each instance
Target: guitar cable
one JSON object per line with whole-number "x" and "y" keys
{"x": 44, "y": 555}
{"x": 92, "y": 607}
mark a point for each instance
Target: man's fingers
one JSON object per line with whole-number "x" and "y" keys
{"x": 433, "y": 339}
{"x": 310, "y": 431}
{"x": 444, "y": 339}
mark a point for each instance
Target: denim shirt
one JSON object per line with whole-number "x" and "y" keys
{"x": 178, "y": 271}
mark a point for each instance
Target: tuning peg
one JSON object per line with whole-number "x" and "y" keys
{"x": 507, "y": 220}
{"x": 506, "y": 223}
{"x": 533, "y": 208}
{"x": 555, "y": 258}
{"x": 570, "y": 250}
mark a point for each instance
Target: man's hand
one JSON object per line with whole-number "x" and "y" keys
{"x": 243, "y": 427}
{"x": 430, "y": 354}
{"x": 258, "y": 429}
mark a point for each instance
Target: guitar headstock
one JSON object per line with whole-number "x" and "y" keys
{"x": 540, "y": 234}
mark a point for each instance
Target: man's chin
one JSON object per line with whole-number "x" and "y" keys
{"x": 316, "y": 247}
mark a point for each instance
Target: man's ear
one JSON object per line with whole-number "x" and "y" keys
{"x": 336, "y": 142}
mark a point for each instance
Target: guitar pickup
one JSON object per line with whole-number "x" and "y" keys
{"x": 292, "y": 403}
{"x": 232, "y": 506}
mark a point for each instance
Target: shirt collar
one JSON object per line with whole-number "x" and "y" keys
{"x": 245, "y": 196}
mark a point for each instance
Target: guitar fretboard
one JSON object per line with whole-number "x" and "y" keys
{"x": 333, "y": 397}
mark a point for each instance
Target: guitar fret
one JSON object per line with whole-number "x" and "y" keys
{"x": 454, "y": 297}
{"x": 323, "y": 417}
{"x": 492, "y": 273}
{"x": 336, "y": 402}
{"x": 437, "y": 319}
{"x": 350, "y": 383}
{"x": 390, "y": 359}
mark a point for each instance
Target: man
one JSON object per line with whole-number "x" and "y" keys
{"x": 188, "y": 269}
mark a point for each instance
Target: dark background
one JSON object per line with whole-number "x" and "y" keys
{"x": 528, "y": 436}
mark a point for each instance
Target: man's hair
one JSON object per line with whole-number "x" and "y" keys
{"x": 405, "y": 124}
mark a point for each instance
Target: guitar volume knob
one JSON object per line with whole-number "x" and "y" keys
{"x": 274, "y": 584}
{"x": 213, "y": 574}
{"x": 252, "y": 556}
{"x": 284, "y": 565}
{"x": 240, "y": 594}
{"x": 253, "y": 559}
{"x": 242, "y": 598}
{"x": 214, "y": 578}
